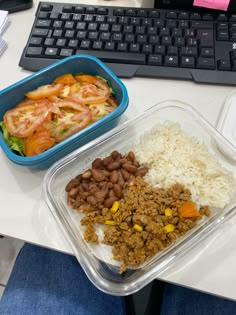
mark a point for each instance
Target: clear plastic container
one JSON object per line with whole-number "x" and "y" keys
{"x": 226, "y": 124}
{"x": 97, "y": 260}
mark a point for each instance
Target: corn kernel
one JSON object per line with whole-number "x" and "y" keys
{"x": 110, "y": 222}
{"x": 169, "y": 228}
{"x": 138, "y": 228}
{"x": 168, "y": 212}
{"x": 115, "y": 207}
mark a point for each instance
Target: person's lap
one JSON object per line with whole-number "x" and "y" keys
{"x": 48, "y": 282}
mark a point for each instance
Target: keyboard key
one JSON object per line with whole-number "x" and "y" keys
{"x": 206, "y": 52}
{"x": 97, "y": 45}
{"x": 117, "y": 37}
{"x": 105, "y": 36}
{"x": 119, "y": 12}
{"x": 81, "y": 35}
{"x": 42, "y": 32}
{"x": 81, "y": 26}
{"x": 160, "y": 50}
{"x": 155, "y": 60}
{"x": 142, "y": 12}
{"x": 171, "y": 15}
{"x": 66, "y": 52}
{"x": 222, "y": 17}
{"x": 222, "y": 35}
{"x": 67, "y": 8}
{"x": 172, "y": 51}
{"x": 179, "y": 41}
{"x": 46, "y": 7}
{"x": 183, "y": 15}
{"x": 43, "y": 23}
{"x": 135, "y": 48}
{"x": 206, "y": 63}
{"x": 122, "y": 47}
{"x": 206, "y": 38}
{"x": 69, "y": 34}
{"x": 171, "y": 61}
{"x": 51, "y": 52}
{"x": 90, "y": 10}
{"x": 100, "y": 19}
{"x": 43, "y": 15}
{"x": 202, "y": 25}
{"x": 54, "y": 16}
{"x": 154, "y": 40}
{"x": 110, "y": 46}
{"x": 130, "y": 12}
{"x": 187, "y": 62}
{"x": 61, "y": 42}
{"x": 107, "y": 56}
{"x": 207, "y": 17}
{"x": 85, "y": 44}
{"x": 188, "y": 51}
{"x": 104, "y": 27}
{"x": 49, "y": 42}
{"x": 73, "y": 43}
{"x": 102, "y": 11}
{"x": 35, "y": 41}
{"x": 79, "y": 9}
{"x": 195, "y": 16}
{"x": 141, "y": 39}
{"x": 34, "y": 51}
{"x": 57, "y": 24}
{"x": 147, "y": 49}
{"x": 154, "y": 13}
{"x": 166, "y": 41}
{"x": 93, "y": 35}
{"x": 57, "y": 33}
{"x": 224, "y": 64}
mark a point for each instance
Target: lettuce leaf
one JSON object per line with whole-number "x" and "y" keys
{"x": 15, "y": 143}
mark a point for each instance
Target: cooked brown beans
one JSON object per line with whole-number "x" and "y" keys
{"x": 105, "y": 182}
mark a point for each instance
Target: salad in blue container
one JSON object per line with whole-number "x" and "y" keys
{"x": 56, "y": 110}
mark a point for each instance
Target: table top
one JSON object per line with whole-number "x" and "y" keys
{"x": 24, "y": 214}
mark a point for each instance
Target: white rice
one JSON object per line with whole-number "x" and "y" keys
{"x": 174, "y": 157}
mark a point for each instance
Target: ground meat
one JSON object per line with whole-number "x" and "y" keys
{"x": 204, "y": 210}
{"x": 90, "y": 235}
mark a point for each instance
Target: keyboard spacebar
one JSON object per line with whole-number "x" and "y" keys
{"x": 116, "y": 57}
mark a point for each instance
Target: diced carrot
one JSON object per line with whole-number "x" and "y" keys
{"x": 188, "y": 210}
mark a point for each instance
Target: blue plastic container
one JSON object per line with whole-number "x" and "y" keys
{"x": 12, "y": 95}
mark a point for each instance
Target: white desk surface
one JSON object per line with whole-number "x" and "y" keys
{"x": 24, "y": 215}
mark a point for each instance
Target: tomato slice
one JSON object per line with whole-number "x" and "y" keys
{"x": 38, "y": 142}
{"x": 67, "y": 79}
{"x": 27, "y": 116}
{"x": 102, "y": 109}
{"x": 93, "y": 90}
{"x": 70, "y": 117}
{"x": 88, "y": 78}
{"x": 45, "y": 91}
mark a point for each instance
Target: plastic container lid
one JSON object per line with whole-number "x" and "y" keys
{"x": 226, "y": 125}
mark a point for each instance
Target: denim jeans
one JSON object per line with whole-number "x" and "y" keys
{"x": 45, "y": 282}
{"x": 182, "y": 301}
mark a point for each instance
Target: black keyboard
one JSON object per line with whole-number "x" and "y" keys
{"x": 189, "y": 45}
